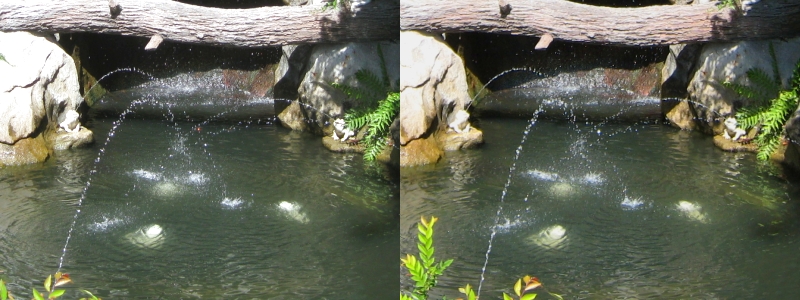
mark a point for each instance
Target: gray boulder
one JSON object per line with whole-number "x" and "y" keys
{"x": 709, "y": 100}
{"x": 38, "y": 90}
{"x": 338, "y": 63}
{"x": 433, "y": 90}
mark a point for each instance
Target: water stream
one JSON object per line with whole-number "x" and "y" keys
{"x": 165, "y": 209}
{"x": 608, "y": 211}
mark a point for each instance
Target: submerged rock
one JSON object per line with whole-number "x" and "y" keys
{"x": 692, "y": 211}
{"x": 550, "y": 237}
{"x": 292, "y": 211}
{"x": 151, "y": 237}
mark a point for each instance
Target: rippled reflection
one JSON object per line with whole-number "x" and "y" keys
{"x": 636, "y": 211}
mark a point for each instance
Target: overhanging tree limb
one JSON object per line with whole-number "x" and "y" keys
{"x": 569, "y": 21}
{"x": 179, "y": 22}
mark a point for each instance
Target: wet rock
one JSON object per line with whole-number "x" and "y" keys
{"x": 432, "y": 80}
{"x": 38, "y": 89}
{"x": 419, "y": 152}
{"x": 721, "y": 62}
{"x": 734, "y": 146}
{"x": 292, "y": 117}
{"x": 452, "y": 141}
{"x": 64, "y": 140}
{"x": 339, "y": 146}
{"x": 338, "y": 63}
{"x": 433, "y": 91}
{"x": 25, "y": 151}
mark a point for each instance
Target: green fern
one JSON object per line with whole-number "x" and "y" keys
{"x": 3, "y": 58}
{"x": 378, "y": 106}
{"x": 770, "y": 106}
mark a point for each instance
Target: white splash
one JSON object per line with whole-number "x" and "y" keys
{"x": 195, "y": 178}
{"x": 542, "y": 175}
{"x": 550, "y": 237}
{"x": 508, "y": 225}
{"x": 143, "y": 174}
{"x": 232, "y": 203}
{"x": 292, "y": 210}
{"x": 631, "y": 203}
{"x": 592, "y": 178}
{"x": 105, "y": 224}
{"x": 147, "y": 237}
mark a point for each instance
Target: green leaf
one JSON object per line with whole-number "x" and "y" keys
{"x": 90, "y": 294}
{"x": 3, "y": 58}
{"x": 56, "y": 294}
{"x": 3, "y": 290}
{"x": 47, "y": 282}
{"x": 37, "y": 295}
{"x": 507, "y": 297}
{"x": 528, "y": 297}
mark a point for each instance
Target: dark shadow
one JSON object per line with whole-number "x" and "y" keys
{"x": 488, "y": 55}
{"x": 233, "y": 3}
{"x": 624, "y": 3}
{"x": 101, "y": 54}
{"x": 344, "y": 24}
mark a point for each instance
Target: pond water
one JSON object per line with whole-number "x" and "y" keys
{"x": 616, "y": 211}
{"x": 216, "y": 211}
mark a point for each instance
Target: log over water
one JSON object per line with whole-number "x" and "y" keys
{"x": 179, "y": 22}
{"x": 569, "y": 21}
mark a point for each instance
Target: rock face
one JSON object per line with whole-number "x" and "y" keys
{"x": 709, "y": 100}
{"x": 38, "y": 90}
{"x": 338, "y": 64}
{"x": 433, "y": 86}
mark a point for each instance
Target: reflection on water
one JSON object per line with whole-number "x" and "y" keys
{"x": 634, "y": 211}
{"x": 226, "y": 212}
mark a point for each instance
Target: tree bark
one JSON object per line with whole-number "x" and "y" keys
{"x": 569, "y": 21}
{"x": 179, "y": 22}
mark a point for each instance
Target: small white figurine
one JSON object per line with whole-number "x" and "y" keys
{"x": 340, "y": 129}
{"x": 71, "y": 122}
{"x": 459, "y": 122}
{"x": 731, "y": 129}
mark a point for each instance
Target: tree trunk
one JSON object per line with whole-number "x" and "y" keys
{"x": 179, "y": 22}
{"x": 569, "y": 21}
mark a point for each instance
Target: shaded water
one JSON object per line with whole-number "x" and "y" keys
{"x": 646, "y": 211}
{"x": 220, "y": 210}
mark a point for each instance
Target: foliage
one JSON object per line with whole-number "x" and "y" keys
{"x": 50, "y": 285}
{"x": 726, "y": 3}
{"x": 424, "y": 270}
{"x": 770, "y": 105}
{"x": 378, "y": 103}
{"x": 333, "y": 4}
{"x": 3, "y": 58}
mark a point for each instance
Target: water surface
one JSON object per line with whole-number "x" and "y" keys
{"x": 215, "y": 211}
{"x": 646, "y": 211}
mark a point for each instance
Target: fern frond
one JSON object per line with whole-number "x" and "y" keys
{"x": 741, "y": 90}
{"x": 372, "y": 83}
{"x": 385, "y": 74}
{"x": 768, "y": 87}
{"x": 776, "y": 76}
{"x": 796, "y": 78}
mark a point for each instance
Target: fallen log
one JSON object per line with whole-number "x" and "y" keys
{"x": 569, "y": 21}
{"x": 179, "y": 22}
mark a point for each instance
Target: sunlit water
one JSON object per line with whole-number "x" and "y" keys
{"x": 626, "y": 212}
{"x": 215, "y": 211}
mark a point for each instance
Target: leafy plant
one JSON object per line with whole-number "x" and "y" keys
{"x": 378, "y": 105}
{"x": 522, "y": 289}
{"x": 3, "y": 58}
{"x": 726, "y": 3}
{"x": 770, "y": 105}
{"x": 50, "y": 285}
{"x": 424, "y": 270}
